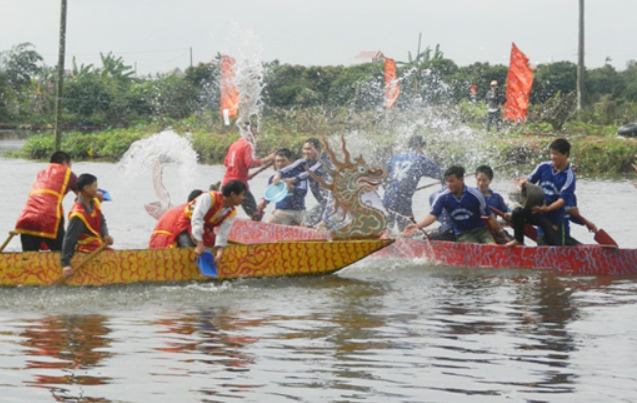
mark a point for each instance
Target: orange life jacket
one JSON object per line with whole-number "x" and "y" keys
{"x": 43, "y": 211}
{"x": 212, "y": 219}
{"x": 93, "y": 222}
{"x": 163, "y": 235}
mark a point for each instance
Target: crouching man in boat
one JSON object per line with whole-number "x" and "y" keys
{"x": 466, "y": 207}
{"x": 87, "y": 226}
{"x": 193, "y": 224}
{"x": 557, "y": 179}
{"x": 41, "y": 221}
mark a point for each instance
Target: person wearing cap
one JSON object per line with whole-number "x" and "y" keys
{"x": 557, "y": 180}
{"x": 404, "y": 172}
{"x": 494, "y": 102}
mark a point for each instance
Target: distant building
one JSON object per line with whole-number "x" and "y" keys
{"x": 372, "y": 56}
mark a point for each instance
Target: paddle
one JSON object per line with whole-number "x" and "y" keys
{"x": 427, "y": 186}
{"x": 11, "y": 235}
{"x": 529, "y": 230}
{"x": 258, "y": 171}
{"x": 62, "y": 279}
{"x": 601, "y": 236}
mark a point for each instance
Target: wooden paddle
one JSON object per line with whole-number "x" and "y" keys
{"x": 11, "y": 235}
{"x": 601, "y": 236}
{"x": 62, "y": 279}
{"x": 258, "y": 171}
{"x": 529, "y": 230}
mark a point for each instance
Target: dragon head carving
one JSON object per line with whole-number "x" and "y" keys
{"x": 349, "y": 181}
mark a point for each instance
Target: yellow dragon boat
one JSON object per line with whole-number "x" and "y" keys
{"x": 294, "y": 258}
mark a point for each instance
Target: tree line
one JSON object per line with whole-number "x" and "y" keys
{"x": 112, "y": 95}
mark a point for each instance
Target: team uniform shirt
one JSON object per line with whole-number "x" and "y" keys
{"x": 556, "y": 185}
{"x": 444, "y": 218}
{"x": 294, "y": 200}
{"x": 496, "y": 201}
{"x": 238, "y": 161}
{"x": 465, "y": 212}
{"x": 404, "y": 172}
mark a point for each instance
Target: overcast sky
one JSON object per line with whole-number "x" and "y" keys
{"x": 156, "y": 35}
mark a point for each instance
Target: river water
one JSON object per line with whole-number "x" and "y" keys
{"x": 405, "y": 331}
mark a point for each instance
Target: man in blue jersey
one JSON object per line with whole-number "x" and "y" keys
{"x": 404, "y": 172}
{"x": 465, "y": 205}
{"x": 291, "y": 210}
{"x": 557, "y": 179}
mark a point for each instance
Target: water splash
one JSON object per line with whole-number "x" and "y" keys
{"x": 152, "y": 154}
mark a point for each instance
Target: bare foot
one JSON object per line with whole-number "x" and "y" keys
{"x": 511, "y": 244}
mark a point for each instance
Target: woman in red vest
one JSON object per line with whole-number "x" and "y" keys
{"x": 87, "y": 226}
{"x": 42, "y": 218}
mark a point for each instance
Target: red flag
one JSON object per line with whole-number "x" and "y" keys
{"x": 229, "y": 94}
{"x": 519, "y": 82}
{"x": 392, "y": 86}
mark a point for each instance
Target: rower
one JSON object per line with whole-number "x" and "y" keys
{"x": 465, "y": 205}
{"x": 87, "y": 228}
{"x": 557, "y": 179}
{"x": 41, "y": 221}
{"x": 196, "y": 221}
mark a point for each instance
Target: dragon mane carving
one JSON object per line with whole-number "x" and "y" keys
{"x": 349, "y": 181}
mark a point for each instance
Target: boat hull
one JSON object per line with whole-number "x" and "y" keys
{"x": 177, "y": 264}
{"x": 582, "y": 259}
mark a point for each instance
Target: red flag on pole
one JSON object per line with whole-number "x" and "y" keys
{"x": 392, "y": 86}
{"x": 519, "y": 82}
{"x": 229, "y": 94}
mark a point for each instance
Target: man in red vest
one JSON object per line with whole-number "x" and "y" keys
{"x": 42, "y": 218}
{"x": 192, "y": 224}
{"x": 87, "y": 226}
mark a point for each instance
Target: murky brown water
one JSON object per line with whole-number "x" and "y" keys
{"x": 378, "y": 331}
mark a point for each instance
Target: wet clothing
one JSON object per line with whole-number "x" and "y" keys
{"x": 299, "y": 170}
{"x": 445, "y": 231}
{"x": 238, "y": 161}
{"x": 404, "y": 172}
{"x": 86, "y": 230}
{"x": 42, "y": 218}
{"x": 465, "y": 212}
{"x": 556, "y": 185}
{"x": 202, "y": 215}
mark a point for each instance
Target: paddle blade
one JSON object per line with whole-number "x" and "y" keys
{"x": 206, "y": 264}
{"x": 602, "y": 238}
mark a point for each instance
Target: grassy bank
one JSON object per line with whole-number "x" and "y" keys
{"x": 596, "y": 150}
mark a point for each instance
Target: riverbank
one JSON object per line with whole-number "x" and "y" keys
{"x": 376, "y": 136}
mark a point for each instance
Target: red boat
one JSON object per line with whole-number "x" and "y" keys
{"x": 582, "y": 259}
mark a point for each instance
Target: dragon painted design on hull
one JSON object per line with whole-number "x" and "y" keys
{"x": 349, "y": 181}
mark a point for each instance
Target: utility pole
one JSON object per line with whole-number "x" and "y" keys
{"x": 580, "y": 58}
{"x": 60, "y": 82}
{"x": 191, "y": 56}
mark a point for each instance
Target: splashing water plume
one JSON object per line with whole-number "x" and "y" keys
{"x": 152, "y": 154}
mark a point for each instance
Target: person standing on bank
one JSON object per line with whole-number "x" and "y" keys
{"x": 87, "y": 228}
{"x": 42, "y": 218}
{"x": 495, "y": 100}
